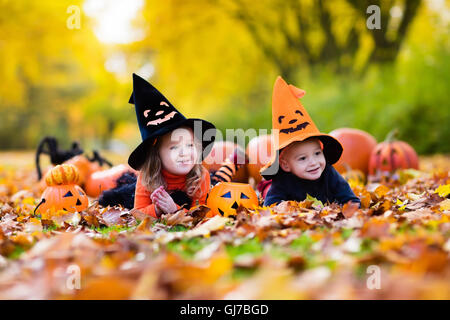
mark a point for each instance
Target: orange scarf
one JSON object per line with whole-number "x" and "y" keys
{"x": 142, "y": 199}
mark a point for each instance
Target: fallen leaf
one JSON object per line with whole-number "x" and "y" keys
{"x": 213, "y": 224}
{"x": 443, "y": 190}
{"x": 349, "y": 209}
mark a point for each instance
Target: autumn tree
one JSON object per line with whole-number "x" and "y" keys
{"x": 292, "y": 32}
{"x": 52, "y": 75}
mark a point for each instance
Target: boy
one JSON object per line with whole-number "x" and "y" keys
{"x": 303, "y": 160}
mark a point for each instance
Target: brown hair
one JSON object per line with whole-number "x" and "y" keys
{"x": 152, "y": 177}
{"x": 283, "y": 151}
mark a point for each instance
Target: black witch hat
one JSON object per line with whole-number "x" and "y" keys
{"x": 156, "y": 116}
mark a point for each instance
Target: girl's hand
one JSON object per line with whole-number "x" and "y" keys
{"x": 154, "y": 193}
{"x": 158, "y": 210}
{"x": 163, "y": 201}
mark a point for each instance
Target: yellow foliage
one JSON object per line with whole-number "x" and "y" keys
{"x": 443, "y": 190}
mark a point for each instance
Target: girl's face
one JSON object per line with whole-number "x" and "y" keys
{"x": 178, "y": 151}
{"x": 304, "y": 159}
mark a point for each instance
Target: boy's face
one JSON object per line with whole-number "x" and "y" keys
{"x": 178, "y": 151}
{"x": 304, "y": 159}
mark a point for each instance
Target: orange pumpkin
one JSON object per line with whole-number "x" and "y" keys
{"x": 103, "y": 180}
{"x": 391, "y": 155}
{"x": 62, "y": 174}
{"x": 259, "y": 151}
{"x": 358, "y": 146}
{"x": 62, "y": 192}
{"x": 226, "y": 197}
{"x": 219, "y": 153}
{"x": 85, "y": 167}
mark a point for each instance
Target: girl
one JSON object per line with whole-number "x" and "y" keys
{"x": 169, "y": 158}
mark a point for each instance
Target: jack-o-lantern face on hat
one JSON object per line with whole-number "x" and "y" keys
{"x": 226, "y": 197}
{"x": 160, "y": 114}
{"x": 288, "y": 114}
{"x": 292, "y": 124}
{"x": 153, "y": 110}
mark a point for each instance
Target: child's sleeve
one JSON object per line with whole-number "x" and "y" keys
{"x": 341, "y": 189}
{"x": 274, "y": 195}
{"x": 204, "y": 189}
{"x": 142, "y": 200}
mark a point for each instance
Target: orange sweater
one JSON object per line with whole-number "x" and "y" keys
{"x": 142, "y": 199}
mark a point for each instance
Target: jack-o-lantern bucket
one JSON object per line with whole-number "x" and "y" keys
{"x": 226, "y": 197}
{"x": 62, "y": 192}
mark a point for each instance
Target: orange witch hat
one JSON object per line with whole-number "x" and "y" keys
{"x": 291, "y": 122}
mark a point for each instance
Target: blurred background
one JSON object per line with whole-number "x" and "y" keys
{"x": 66, "y": 66}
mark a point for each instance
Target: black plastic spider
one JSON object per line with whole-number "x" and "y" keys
{"x": 49, "y": 145}
{"x": 57, "y": 156}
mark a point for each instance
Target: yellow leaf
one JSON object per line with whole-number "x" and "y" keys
{"x": 204, "y": 229}
{"x": 381, "y": 190}
{"x": 445, "y": 205}
{"x": 402, "y": 205}
{"x": 29, "y": 200}
{"x": 316, "y": 202}
{"x": 443, "y": 190}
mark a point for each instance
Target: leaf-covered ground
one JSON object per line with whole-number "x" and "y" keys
{"x": 296, "y": 250}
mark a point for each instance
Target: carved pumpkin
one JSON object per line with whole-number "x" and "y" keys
{"x": 357, "y": 145}
{"x": 259, "y": 152}
{"x": 391, "y": 155}
{"x": 100, "y": 181}
{"x": 62, "y": 192}
{"x": 219, "y": 153}
{"x": 226, "y": 197}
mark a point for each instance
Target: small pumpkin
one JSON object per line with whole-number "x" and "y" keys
{"x": 62, "y": 192}
{"x": 259, "y": 151}
{"x": 391, "y": 155}
{"x": 62, "y": 174}
{"x": 226, "y": 197}
{"x": 357, "y": 145}
{"x": 84, "y": 166}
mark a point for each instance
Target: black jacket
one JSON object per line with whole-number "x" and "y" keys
{"x": 331, "y": 187}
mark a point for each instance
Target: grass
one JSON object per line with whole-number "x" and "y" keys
{"x": 50, "y": 228}
{"x": 252, "y": 246}
{"x": 178, "y": 228}
{"x": 302, "y": 243}
{"x": 187, "y": 248}
{"x": 106, "y": 230}
{"x": 18, "y": 251}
